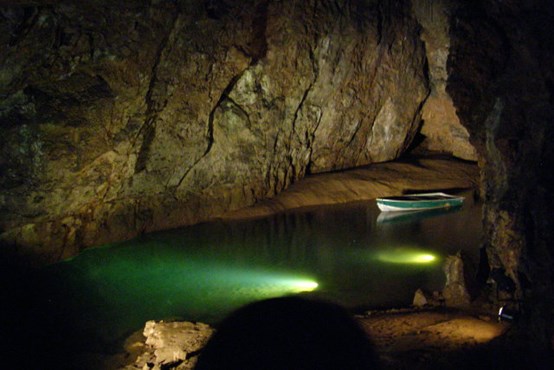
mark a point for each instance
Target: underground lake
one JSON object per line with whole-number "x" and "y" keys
{"x": 350, "y": 254}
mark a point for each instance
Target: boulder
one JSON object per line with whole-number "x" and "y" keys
{"x": 420, "y": 299}
{"x": 423, "y": 298}
{"x": 171, "y": 345}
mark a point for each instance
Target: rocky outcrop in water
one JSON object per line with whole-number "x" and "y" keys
{"x": 122, "y": 119}
{"x": 460, "y": 276}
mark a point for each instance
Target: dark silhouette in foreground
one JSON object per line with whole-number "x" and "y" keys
{"x": 289, "y": 333}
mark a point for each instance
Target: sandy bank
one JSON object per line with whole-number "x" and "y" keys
{"x": 370, "y": 182}
{"x": 441, "y": 338}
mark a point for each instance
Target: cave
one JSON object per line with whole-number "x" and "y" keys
{"x": 123, "y": 119}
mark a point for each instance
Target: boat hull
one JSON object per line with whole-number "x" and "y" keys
{"x": 419, "y": 202}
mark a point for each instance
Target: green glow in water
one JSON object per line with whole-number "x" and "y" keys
{"x": 122, "y": 287}
{"x": 407, "y": 256}
{"x": 204, "y": 272}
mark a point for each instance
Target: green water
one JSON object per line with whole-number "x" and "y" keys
{"x": 203, "y": 272}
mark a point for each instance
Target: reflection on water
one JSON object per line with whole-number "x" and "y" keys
{"x": 341, "y": 253}
{"x": 412, "y": 216}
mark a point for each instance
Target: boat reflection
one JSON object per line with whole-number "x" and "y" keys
{"x": 411, "y": 216}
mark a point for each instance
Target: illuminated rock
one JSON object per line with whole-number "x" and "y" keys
{"x": 171, "y": 345}
{"x": 441, "y": 127}
{"x": 420, "y": 299}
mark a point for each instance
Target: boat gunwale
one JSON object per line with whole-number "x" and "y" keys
{"x": 419, "y": 202}
{"x": 421, "y": 197}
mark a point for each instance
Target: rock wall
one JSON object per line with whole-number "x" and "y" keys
{"x": 118, "y": 119}
{"x": 502, "y": 83}
{"x": 441, "y": 128}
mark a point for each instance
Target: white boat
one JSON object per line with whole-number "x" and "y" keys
{"x": 419, "y": 202}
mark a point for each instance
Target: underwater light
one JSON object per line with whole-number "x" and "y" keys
{"x": 406, "y": 256}
{"x": 278, "y": 286}
{"x": 424, "y": 258}
{"x": 304, "y": 285}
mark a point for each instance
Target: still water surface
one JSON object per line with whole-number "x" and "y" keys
{"x": 200, "y": 273}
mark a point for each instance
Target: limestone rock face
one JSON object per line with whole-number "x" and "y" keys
{"x": 458, "y": 287}
{"x": 441, "y": 127}
{"x": 117, "y": 119}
